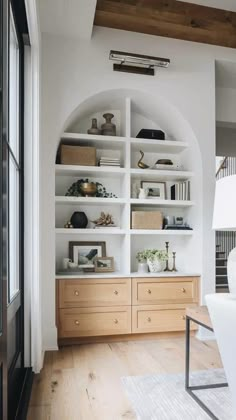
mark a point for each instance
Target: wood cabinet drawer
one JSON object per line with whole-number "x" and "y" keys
{"x": 94, "y": 292}
{"x": 150, "y": 318}
{"x": 164, "y": 290}
{"x": 87, "y": 322}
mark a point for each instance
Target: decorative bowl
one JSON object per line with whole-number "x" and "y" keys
{"x": 89, "y": 189}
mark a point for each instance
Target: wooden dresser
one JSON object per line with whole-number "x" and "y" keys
{"x": 92, "y": 307}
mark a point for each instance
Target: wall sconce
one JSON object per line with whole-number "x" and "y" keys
{"x": 137, "y": 63}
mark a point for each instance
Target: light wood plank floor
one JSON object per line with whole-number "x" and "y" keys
{"x": 83, "y": 382}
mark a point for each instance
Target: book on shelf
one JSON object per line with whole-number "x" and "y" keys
{"x": 106, "y": 161}
{"x": 180, "y": 191}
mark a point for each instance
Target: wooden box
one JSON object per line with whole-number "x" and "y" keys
{"x": 146, "y": 220}
{"x": 78, "y": 155}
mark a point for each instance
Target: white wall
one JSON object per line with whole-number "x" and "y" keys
{"x": 225, "y": 105}
{"x": 225, "y": 141}
{"x": 75, "y": 70}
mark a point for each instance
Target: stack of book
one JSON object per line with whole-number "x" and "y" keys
{"x": 180, "y": 191}
{"x": 107, "y": 161}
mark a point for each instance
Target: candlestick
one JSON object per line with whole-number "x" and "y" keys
{"x": 167, "y": 261}
{"x": 174, "y": 258}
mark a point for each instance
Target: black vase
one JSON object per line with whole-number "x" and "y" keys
{"x": 79, "y": 220}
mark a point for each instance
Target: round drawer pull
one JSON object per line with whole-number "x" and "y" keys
{"x": 76, "y": 322}
{"x": 183, "y": 290}
{"x": 76, "y": 293}
{"x": 116, "y": 292}
{"x": 183, "y": 317}
{"x": 115, "y": 321}
{"x": 149, "y": 319}
{"x": 149, "y": 291}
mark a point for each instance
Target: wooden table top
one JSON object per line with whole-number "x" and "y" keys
{"x": 200, "y": 314}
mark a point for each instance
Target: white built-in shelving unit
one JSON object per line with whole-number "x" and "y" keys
{"x": 122, "y": 243}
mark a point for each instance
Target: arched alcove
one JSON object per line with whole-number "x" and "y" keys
{"x": 134, "y": 110}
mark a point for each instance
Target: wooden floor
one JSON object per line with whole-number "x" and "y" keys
{"x": 83, "y": 382}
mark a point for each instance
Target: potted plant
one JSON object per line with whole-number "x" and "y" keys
{"x": 155, "y": 259}
{"x": 142, "y": 261}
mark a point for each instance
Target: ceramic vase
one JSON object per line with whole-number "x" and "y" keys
{"x": 155, "y": 266}
{"x": 94, "y": 128}
{"x": 142, "y": 193}
{"x": 79, "y": 220}
{"x": 108, "y": 128}
{"x": 142, "y": 267}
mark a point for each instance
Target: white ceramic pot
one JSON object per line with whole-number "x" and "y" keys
{"x": 142, "y": 267}
{"x": 155, "y": 266}
{"x": 143, "y": 192}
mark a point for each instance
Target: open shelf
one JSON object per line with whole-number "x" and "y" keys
{"x": 164, "y": 232}
{"x": 73, "y": 170}
{"x": 155, "y": 174}
{"x": 99, "y": 231}
{"x": 89, "y": 200}
{"x": 158, "y": 146}
{"x": 102, "y": 142}
{"x": 161, "y": 203}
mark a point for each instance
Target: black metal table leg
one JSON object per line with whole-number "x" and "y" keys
{"x": 189, "y": 389}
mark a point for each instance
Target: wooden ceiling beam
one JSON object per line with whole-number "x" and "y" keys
{"x": 169, "y": 18}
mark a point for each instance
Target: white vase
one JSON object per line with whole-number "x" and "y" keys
{"x": 142, "y": 193}
{"x": 155, "y": 266}
{"x": 142, "y": 267}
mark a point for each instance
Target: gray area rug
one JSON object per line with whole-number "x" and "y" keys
{"x": 163, "y": 397}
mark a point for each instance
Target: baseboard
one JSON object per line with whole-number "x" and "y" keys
{"x": 50, "y": 339}
{"x": 25, "y": 395}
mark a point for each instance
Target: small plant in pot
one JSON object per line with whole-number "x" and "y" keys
{"x": 142, "y": 262}
{"x": 155, "y": 259}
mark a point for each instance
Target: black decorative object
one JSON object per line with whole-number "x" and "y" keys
{"x": 167, "y": 261}
{"x": 79, "y": 220}
{"x": 164, "y": 162}
{"x": 146, "y": 133}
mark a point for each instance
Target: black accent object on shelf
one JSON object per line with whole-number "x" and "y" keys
{"x": 79, "y": 220}
{"x": 177, "y": 227}
{"x": 146, "y": 133}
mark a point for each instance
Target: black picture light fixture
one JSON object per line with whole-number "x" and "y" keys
{"x": 137, "y": 63}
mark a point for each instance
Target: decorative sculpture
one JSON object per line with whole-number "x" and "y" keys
{"x": 140, "y": 163}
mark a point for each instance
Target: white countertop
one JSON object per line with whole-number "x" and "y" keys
{"x": 120, "y": 275}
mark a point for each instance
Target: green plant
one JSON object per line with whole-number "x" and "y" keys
{"x": 141, "y": 256}
{"x": 75, "y": 189}
{"x": 152, "y": 255}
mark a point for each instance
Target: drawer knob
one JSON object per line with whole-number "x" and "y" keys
{"x": 116, "y": 292}
{"x": 149, "y": 291}
{"x": 183, "y": 317}
{"x": 76, "y": 293}
{"x": 183, "y": 290}
{"x": 149, "y": 319}
{"x": 76, "y": 322}
{"x": 115, "y": 321}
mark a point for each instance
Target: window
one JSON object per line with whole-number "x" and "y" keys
{"x": 14, "y": 163}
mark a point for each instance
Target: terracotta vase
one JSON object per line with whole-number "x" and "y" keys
{"x": 94, "y": 128}
{"x": 108, "y": 128}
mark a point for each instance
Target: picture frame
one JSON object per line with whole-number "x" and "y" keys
{"x": 84, "y": 253}
{"x": 104, "y": 264}
{"x": 155, "y": 189}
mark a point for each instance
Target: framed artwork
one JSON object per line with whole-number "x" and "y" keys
{"x": 104, "y": 264}
{"x": 155, "y": 189}
{"x": 84, "y": 253}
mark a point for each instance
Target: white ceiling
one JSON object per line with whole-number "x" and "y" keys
{"x": 72, "y": 18}
{"x": 218, "y": 4}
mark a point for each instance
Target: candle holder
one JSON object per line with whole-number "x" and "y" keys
{"x": 167, "y": 261}
{"x": 174, "y": 259}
